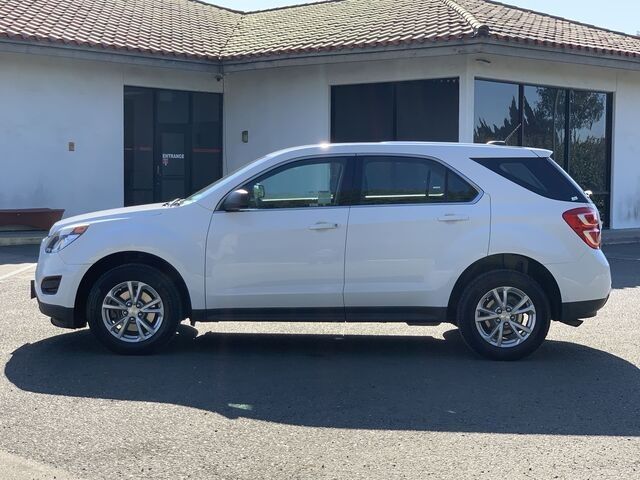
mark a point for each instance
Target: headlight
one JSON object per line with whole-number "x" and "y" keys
{"x": 64, "y": 237}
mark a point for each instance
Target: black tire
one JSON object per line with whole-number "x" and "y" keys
{"x": 154, "y": 278}
{"x": 478, "y": 289}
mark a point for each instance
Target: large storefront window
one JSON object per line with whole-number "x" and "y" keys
{"x": 425, "y": 110}
{"x": 573, "y": 124}
{"x": 172, "y": 143}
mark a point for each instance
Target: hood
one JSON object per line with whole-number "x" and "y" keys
{"x": 107, "y": 215}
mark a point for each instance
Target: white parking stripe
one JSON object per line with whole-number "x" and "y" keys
{"x": 16, "y": 272}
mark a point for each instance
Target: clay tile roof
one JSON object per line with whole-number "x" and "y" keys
{"x": 346, "y": 24}
{"x": 197, "y": 30}
{"x": 182, "y": 28}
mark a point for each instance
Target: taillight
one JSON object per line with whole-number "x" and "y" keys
{"x": 585, "y": 221}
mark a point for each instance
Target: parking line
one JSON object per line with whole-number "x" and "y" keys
{"x": 16, "y": 272}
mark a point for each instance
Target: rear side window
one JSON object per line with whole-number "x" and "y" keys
{"x": 401, "y": 180}
{"x": 539, "y": 175}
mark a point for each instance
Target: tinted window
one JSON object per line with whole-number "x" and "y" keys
{"x": 539, "y": 175}
{"x": 427, "y": 110}
{"x": 363, "y": 113}
{"x": 308, "y": 183}
{"x": 398, "y": 180}
{"x": 544, "y": 119}
{"x": 497, "y": 109}
{"x": 420, "y": 110}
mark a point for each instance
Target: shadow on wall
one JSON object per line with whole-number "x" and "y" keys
{"x": 360, "y": 382}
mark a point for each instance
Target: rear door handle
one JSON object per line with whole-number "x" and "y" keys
{"x": 452, "y": 217}
{"x": 323, "y": 226}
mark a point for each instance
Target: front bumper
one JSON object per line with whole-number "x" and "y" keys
{"x": 63, "y": 317}
{"x": 59, "y": 302}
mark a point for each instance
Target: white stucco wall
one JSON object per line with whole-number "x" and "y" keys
{"x": 289, "y": 106}
{"x": 45, "y": 103}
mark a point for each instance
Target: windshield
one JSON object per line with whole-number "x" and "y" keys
{"x": 205, "y": 191}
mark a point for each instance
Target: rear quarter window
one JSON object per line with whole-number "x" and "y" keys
{"x": 539, "y": 175}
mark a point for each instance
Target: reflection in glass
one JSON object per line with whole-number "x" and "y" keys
{"x": 544, "y": 119}
{"x": 579, "y": 143}
{"x": 588, "y": 144}
{"x": 496, "y": 112}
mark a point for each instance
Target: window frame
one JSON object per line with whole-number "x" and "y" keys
{"x": 344, "y": 187}
{"x": 357, "y": 180}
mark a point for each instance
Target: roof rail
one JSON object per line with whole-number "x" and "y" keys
{"x": 502, "y": 143}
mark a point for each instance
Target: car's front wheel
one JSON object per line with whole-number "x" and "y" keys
{"x": 504, "y": 315}
{"x": 133, "y": 309}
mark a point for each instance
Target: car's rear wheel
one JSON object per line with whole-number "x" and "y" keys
{"x": 504, "y": 315}
{"x": 134, "y": 309}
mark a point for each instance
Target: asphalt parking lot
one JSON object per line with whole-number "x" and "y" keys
{"x": 288, "y": 401}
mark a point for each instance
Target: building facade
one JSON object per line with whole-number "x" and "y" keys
{"x": 89, "y": 126}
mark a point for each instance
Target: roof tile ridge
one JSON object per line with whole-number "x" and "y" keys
{"x": 479, "y": 29}
{"x": 234, "y": 30}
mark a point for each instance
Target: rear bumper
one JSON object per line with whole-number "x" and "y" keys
{"x": 585, "y": 309}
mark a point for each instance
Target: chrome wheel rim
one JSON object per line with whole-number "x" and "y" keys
{"x": 132, "y": 312}
{"x": 505, "y": 317}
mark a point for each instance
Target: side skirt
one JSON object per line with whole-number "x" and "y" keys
{"x": 409, "y": 315}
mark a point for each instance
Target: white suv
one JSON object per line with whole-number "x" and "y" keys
{"x": 496, "y": 240}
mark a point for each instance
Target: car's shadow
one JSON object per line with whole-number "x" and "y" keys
{"x": 360, "y": 382}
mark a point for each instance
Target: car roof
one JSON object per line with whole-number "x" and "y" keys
{"x": 425, "y": 148}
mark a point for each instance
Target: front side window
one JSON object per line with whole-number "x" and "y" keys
{"x": 302, "y": 184}
{"x": 403, "y": 180}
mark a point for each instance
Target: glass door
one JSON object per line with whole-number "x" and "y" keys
{"x": 172, "y": 143}
{"x": 172, "y": 161}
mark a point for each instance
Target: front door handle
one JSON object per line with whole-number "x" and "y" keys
{"x": 452, "y": 217}
{"x": 323, "y": 226}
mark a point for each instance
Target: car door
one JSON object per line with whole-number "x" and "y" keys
{"x": 415, "y": 227}
{"x": 285, "y": 254}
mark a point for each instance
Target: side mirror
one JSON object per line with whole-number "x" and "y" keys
{"x": 236, "y": 201}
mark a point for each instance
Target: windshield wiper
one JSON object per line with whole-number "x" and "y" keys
{"x": 173, "y": 203}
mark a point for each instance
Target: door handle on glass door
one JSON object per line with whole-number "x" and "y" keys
{"x": 323, "y": 226}
{"x": 452, "y": 217}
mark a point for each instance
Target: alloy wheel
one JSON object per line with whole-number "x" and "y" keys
{"x": 505, "y": 317}
{"x": 132, "y": 311}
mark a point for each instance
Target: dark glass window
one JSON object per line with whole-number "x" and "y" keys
{"x": 588, "y": 147}
{"x": 138, "y": 146}
{"x": 497, "y": 107}
{"x": 544, "y": 119}
{"x": 173, "y": 143}
{"x": 539, "y": 175}
{"x": 172, "y": 106}
{"x": 363, "y": 113}
{"x": 206, "y": 144}
{"x": 401, "y": 180}
{"x": 427, "y": 110}
{"x": 307, "y": 183}
{"x": 574, "y": 124}
{"x": 421, "y": 110}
